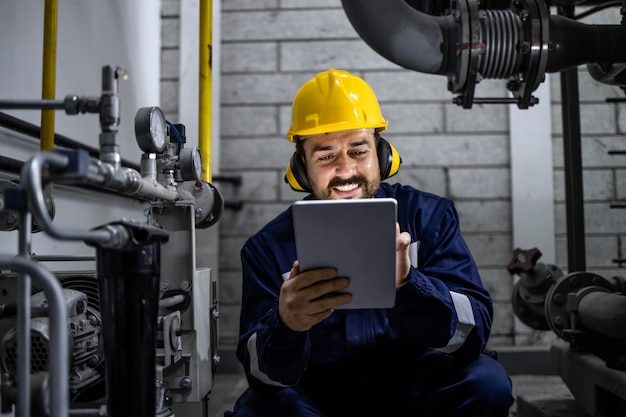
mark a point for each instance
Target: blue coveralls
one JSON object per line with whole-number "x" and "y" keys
{"x": 421, "y": 358}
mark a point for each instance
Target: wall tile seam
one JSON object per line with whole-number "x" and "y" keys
{"x": 309, "y": 71}
{"x": 457, "y": 134}
{"x": 594, "y": 201}
{"x": 232, "y": 106}
{"x": 592, "y": 135}
{"x": 459, "y": 167}
{"x": 251, "y": 41}
{"x": 481, "y": 199}
{"x": 279, "y": 9}
{"x": 246, "y": 73}
{"x": 244, "y": 104}
{"x": 279, "y": 40}
{"x": 595, "y": 235}
{"x": 585, "y": 136}
{"x": 596, "y": 167}
{"x": 598, "y": 204}
{"x": 588, "y": 235}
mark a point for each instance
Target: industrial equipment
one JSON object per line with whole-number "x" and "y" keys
{"x": 588, "y": 312}
{"x": 139, "y": 334}
{"x": 469, "y": 41}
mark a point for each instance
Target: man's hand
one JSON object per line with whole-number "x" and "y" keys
{"x": 304, "y": 299}
{"x": 403, "y": 261}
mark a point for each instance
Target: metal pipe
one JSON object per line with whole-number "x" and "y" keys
{"x": 124, "y": 180}
{"x": 152, "y": 188}
{"x": 22, "y": 126}
{"x": 32, "y": 105}
{"x": 130, "y": 182}
{"x": 572, "y": 154}
{"x": 59, "y": 345}
{"x": 48, "y": 88}
{"x": 469, "y": 44}
{"x": 604, "y": 313}
{"x": 23, "y": 320}
{"x": 206, "y": 88}
{"x": 31, "y": 181}
{"x": 404, "y": 35}
{"x": 576, "y": 43}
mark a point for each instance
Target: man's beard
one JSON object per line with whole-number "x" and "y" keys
{"x": 369, "y": 190}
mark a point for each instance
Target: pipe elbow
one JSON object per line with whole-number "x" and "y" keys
{"x": 404, "y": 35}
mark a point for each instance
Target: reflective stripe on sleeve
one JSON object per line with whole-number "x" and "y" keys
{"x": 465, "y": 325}
{"x": 254, "y": 364}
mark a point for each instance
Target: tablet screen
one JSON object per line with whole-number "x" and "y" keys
{"x": 356, "y": 237}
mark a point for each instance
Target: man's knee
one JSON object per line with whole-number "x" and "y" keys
{"x": 491, "y": 384}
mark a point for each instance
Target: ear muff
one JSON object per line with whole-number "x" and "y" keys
{"x": 388, "y": 159}
{"x": 295, "y": 175}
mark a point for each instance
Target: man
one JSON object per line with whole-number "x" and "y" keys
{"x": 424, "y": 357}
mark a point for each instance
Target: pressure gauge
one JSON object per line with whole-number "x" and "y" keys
{"x": 150, "y": 129}
{"x": 191, "y": 164}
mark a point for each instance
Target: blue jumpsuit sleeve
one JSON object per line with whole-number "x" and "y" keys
{"x": 444, "y": 304}
{"x": 273, "y": 355}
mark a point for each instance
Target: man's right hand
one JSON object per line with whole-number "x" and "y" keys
{"x": 304, "y": 298}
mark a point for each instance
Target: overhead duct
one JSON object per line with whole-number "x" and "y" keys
{"x": 467, "y": 44}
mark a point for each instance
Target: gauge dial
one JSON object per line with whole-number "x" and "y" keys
{"x": 191, "y": 164}
{"x": 150, "y": 129}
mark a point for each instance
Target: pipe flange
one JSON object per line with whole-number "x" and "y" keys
{"x": 465, "y": 77}
{"x": 557, "y": 312}
{"x": 208, "y": 203}
{"x": 535, "y": 17}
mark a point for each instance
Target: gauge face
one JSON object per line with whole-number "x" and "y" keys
{"x": 158, "y": 128}
{"x": 191, "y": 164}
{"x": 150, "y": 129}
{"x": 196, "y": 161}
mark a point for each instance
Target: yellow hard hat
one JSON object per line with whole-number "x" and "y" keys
{"x": 332, "y": 101}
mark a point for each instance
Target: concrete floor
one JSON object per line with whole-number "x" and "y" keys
{"x": 535, "y": 396}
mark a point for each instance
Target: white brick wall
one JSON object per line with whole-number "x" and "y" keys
{"x": 269, "y": 47}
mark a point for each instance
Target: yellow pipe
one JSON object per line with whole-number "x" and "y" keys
{"x": 49, "y": 72}
{"x": 206, "y": 79}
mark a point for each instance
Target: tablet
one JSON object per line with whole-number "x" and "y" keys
{"x": 356, "y": 237}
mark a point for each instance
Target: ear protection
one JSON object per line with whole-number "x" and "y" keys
{"x": 389, "y": 161}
